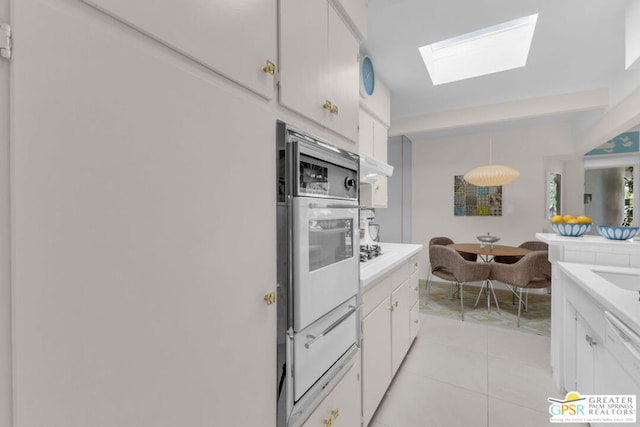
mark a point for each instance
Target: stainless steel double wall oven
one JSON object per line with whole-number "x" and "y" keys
{"x": 318, "y": 267}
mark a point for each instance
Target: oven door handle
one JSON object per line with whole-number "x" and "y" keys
{"x": 333, "y": 206}
{"x": 331, "y": 327}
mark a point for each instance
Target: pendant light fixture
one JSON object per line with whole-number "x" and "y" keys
{"x": 491, "y": 175}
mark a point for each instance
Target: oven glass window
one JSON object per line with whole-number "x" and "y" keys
{"x": 330, "y": 241}
{"x": 314, "y": 178}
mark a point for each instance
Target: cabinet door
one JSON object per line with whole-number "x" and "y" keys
{"x": 214, "y": 33}
{"x": 303, "y": 57}
{"x": 380, "y": 197}
{"x": 365, "y": 134}
{"x": 380, "y": 137}
{"x": 585, "y": 357}
{"x": 355, "y": 12}
{"x": 400, "y": 324}
{"x": 124, "y": 268}
{"x": 343, "y": 91}
{"x": 341, "y": 407}
{"x": 376, "y": 358}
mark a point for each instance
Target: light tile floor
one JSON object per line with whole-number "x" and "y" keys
{"x": 468, "y": 374}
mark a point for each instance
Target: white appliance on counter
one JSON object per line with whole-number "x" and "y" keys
{"x": 369, "y": 236}
{"x": 318, "y": 268}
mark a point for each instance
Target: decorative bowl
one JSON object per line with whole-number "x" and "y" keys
{"x": 571, "y": 230}
{"x": 617, "y": 232}
{"x": 488, "y": 239}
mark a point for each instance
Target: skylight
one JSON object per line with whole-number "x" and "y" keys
{"x": 490, "y": 50}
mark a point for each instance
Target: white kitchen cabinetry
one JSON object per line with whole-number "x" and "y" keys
{"x": 319, "y": 65}
{"x": 235, "y": 39}
{"x": 128, "y": 306}
{"x": 586, "y": 356}
{"x": 341, "y": 407}
{"x": 373, "y": 143}
{"x": 387, "y": 330}
{"x": 583, "y": 338}
{"x": 376, "y": 346}
{"x": 595, "y": 250}
{"x": 356, "y": 13}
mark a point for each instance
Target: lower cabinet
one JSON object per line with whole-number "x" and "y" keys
{"x": 341, "y": 407}
{"x": 389, "y": 325}
{"x": 400, "y": 324}
{"x": 586, "y": 357}
{"x": 376, "y": 357}
{"x": 583, "y": 341}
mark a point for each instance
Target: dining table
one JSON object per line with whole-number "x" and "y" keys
{"x": 487, "y": 252}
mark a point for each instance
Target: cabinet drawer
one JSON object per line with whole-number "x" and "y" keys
{"x": 341, "y": 407}
{"x": 415, "y": 320}
{"x": 414, "y": 284}
{"x": 403, "y": 272}
{"x": 375, "y": 294}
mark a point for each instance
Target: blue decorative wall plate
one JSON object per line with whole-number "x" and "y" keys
{"x": 367, "y": 77}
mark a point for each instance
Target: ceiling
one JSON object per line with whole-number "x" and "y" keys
{"x": 578, "y": 46}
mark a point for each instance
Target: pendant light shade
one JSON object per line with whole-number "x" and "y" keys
{"x": 491, "y": 175}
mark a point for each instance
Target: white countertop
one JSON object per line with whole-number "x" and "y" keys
{"x": 393, "y": 254}
{"x": 621, "y": 302}
{"x": 556, "y": 239}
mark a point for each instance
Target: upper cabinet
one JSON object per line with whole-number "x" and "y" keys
{"x": 373, "y": 143}
{"x": 355, "y": 12}
{"x": 319, "y": 65}
{"x": 234, "y": 38}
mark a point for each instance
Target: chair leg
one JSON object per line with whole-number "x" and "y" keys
{"x": 429, "y": 276}
{"x": 460, "y": 285}
{"x": 453, "y": 288}
{"x": 519, "y": 306}
{"x": 515, "y": 295}
{"x": 480, "y": 293}
{"x": 494, "y": 295}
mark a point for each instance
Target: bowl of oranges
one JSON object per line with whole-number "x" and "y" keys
{"x": 569, "y": 225}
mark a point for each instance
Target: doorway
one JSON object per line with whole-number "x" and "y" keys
{"x": 609, "y": 195}
{"x": 609, "y": 190}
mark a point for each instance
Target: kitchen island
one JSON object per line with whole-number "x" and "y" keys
{"x": 390, "y": 318}
{"x": 601, "y": 329}
{"x": 578, "y": 291}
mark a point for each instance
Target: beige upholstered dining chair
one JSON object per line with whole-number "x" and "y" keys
{"x": 442, "y": 241}
{"x": 448, "y": 264}
{"x": 532, "y": 271}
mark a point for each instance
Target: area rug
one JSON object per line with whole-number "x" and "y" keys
{"x": 536, "y": 320}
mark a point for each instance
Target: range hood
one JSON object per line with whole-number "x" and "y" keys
{"x": 371, "y": 169}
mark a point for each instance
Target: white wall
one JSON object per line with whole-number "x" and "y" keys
{"x": 437, "y": 161}
{"x": 5, "y": 254}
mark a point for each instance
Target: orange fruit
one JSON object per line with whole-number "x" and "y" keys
{"x": 583, "y": 219}
{"x": 573, "y": 221}
{"x": 557, "y": 218}
{"x": 567, "y": 217}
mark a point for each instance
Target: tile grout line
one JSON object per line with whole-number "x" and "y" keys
{"x": 487, "y": 330}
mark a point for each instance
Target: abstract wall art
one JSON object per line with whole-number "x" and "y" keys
{"x": 471, "y": 200}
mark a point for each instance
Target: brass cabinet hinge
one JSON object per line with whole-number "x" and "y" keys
{"x": 270, "y": 298}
